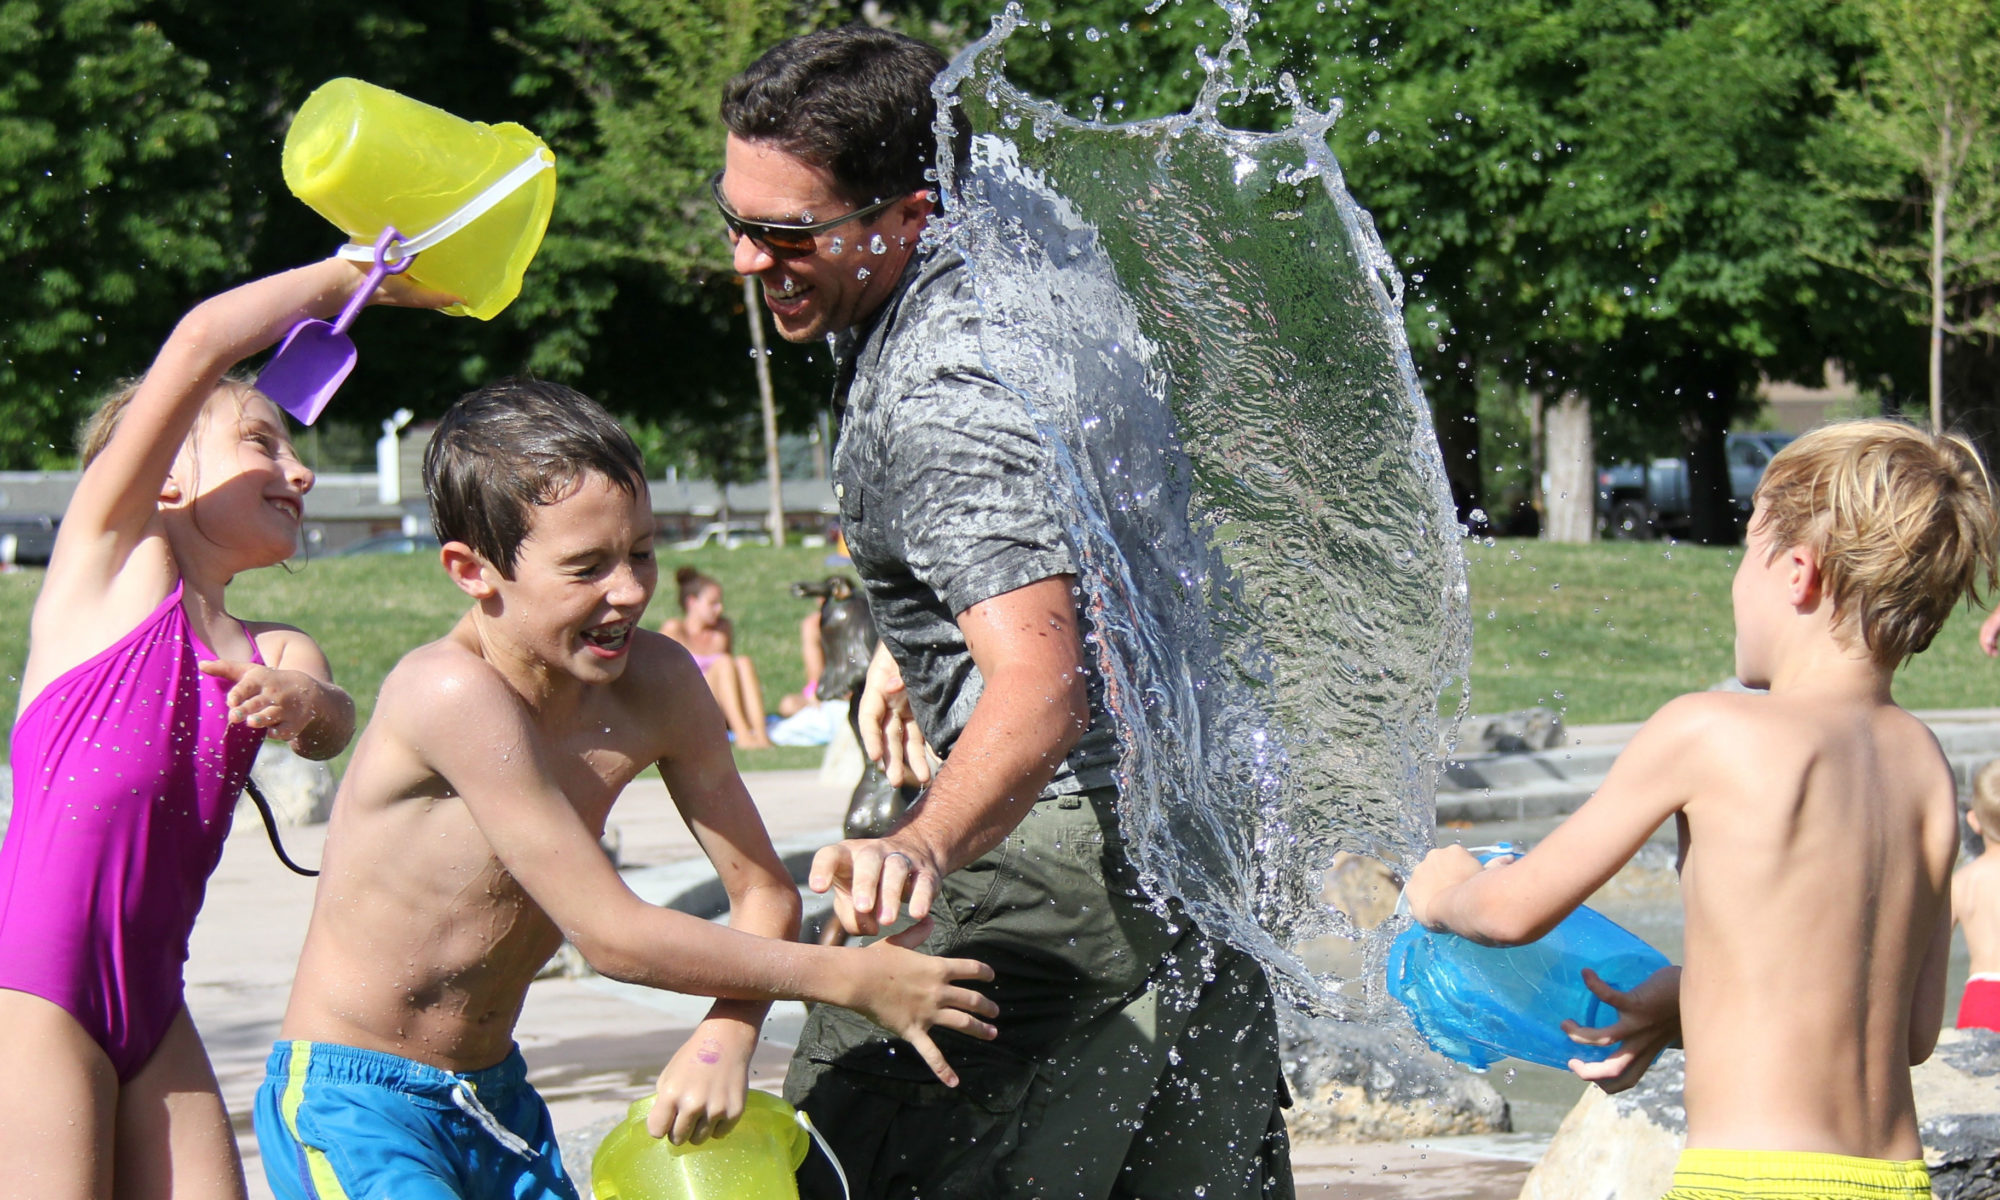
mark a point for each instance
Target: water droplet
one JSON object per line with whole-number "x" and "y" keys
{"x": 876, "y": 245}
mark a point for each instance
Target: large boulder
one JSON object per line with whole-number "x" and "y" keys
{"x": 1361, "y": 1083}
{"x": 1625, "y": 1145}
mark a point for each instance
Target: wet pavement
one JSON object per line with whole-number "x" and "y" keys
{"x": 594, "y": 1045}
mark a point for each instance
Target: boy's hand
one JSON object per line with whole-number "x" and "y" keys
{"x": 1649, "y": 1020}
{"x": 906, "y": 993}
{"x": 700, "y": 1093}
{"x": 1442, "y": 869}
{"x": 279, "y": 703}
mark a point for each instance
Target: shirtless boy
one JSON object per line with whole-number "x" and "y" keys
{"x": 1818, "y": 826}
{"x": 1975, "y": 904}
{"x": 463, "y": 845}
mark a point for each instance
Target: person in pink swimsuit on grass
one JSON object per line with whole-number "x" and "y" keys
{"x": 142, "y": 705}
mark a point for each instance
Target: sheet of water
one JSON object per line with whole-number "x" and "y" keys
{"x": 1209, "y": 333}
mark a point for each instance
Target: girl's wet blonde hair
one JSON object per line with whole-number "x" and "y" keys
{"x": 1902, "y": 519}
{"x": 95, "y": 432}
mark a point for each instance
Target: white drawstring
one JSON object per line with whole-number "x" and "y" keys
{"x": 468, "y": 1103}
{"x": 473, "y": 209}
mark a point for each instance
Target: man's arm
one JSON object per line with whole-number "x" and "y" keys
{"x": 1034, "y": 705}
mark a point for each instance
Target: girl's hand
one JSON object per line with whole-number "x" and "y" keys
{"x": 280, "y": 703}
{"x": 700, "y": 1093}
{"x": 907, "y": 993}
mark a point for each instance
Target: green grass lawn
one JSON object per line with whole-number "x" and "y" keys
{"x": 1606, "y": 632}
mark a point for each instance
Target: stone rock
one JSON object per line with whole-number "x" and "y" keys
{"x": 1612, "y": 1147}
{"x": 299, "y": 790}
{"x": 6, "y": 798}
{"x": 1361, "y": 1083}
{"x": 1625, "y": 1145}
{"x": 1362, "y": 889}
{"x": 1512, "y": 733}
{"x": 843, "y": 763}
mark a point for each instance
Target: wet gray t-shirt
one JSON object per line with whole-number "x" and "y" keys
{"x": 946, "y": 499}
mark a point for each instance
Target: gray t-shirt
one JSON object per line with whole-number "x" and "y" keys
{"x": 944, "y": 488}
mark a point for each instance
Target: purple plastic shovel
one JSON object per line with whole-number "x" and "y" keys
{"x": 315, "y": 357}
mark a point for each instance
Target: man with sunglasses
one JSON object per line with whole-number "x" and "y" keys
{"x": 1135, "y": 1057}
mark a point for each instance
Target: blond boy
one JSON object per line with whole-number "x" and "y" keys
{"x": 1975, "y": 904}
{"x": 463, "y": 845}
{"x": 1818, "y": 827}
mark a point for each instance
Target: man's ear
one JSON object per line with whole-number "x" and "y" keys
{"x": 472, "y": 574}
{"x": 911, "y": 215}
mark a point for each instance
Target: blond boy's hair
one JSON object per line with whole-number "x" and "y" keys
{"x": 1986, "y": 799}
{"x": 1902, "y": 519}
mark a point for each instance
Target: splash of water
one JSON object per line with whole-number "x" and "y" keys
{"x": 1208, "y": 331}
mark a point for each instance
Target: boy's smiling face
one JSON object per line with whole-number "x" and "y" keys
{"x": 582, "y": 579}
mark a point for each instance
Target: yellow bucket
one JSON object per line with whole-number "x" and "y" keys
{"x": 756, "y": 1160}
{"x": 366, "y": 158}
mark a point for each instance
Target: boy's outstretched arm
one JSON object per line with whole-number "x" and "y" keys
{"x": 1513, "y": 902}
{"x": 470, "y": 727}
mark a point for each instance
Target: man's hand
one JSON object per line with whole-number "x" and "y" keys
{"x": 871, "y": 877}
{"x": 280, "y": 704}
{"x": 1989, "y": 634}
{"x": 700, "y": 1093}
{"x": 889, "y": 734}
{"x": 1649, "y": 1020}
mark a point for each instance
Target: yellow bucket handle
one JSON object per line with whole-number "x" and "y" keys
{"x": 806, "y": 1122}
{"x": 473, "y": 209}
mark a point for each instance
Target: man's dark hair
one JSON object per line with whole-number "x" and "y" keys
{"x": 854, "y": 100}
{"x": 512, "y": 446}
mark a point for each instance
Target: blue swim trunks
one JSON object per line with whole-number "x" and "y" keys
{"x": 336, "y": 1123}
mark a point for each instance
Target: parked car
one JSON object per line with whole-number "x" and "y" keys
{"x": 1637, "y": 500}
{"x": 392, "y": 543}
{"x": 729, "y": 537}
{"x": 27, "y": 540}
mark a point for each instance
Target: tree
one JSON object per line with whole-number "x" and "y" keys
{"x": 1917, "y": 141}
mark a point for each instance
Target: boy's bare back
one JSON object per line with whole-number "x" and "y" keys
{"x": 1819, "y": 837}
{"x": 422, "y": 944}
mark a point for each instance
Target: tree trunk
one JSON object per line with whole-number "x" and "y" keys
{"x": 1454, "y": 410}
{"x": 1572, "y": 465}
{"x": 1711, "y": 507}
{"x": 754, "y": 310}
{"x": 1940, "y": 203}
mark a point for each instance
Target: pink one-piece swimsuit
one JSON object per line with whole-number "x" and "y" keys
{"x": 126, "y": 774}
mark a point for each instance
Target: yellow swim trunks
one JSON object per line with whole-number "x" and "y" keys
{"x": 1738, "y": 1174}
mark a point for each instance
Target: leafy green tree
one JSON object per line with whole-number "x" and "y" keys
{"x": 116, "y": 200}
{"x": 1916, "y": 146}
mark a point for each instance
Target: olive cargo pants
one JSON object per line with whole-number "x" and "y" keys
{"x": 1135, "y": 1058}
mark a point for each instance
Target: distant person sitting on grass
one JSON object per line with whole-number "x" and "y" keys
{"x": 792, "y": 704}
{"x": 1818, "y": 827}
{"x": 463, "y": 846}
{"x": 708, "y": 636}
{"x": 1975, "y": 904}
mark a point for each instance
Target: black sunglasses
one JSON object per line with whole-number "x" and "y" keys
{"x": 779, "y": 240}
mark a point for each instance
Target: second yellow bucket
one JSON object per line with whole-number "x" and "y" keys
{"x": 754, "y": 1161}
{"x": 365, "y": 157}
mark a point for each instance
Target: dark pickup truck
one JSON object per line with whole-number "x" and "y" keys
{"x": 1647, "y": 500}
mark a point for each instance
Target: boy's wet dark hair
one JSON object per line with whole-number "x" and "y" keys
{"x": 512, "y": 446}
{"x": 855, "y": 100}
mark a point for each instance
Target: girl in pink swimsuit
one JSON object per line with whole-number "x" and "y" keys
{"x": 707, "y": 634}
{"x": 142, "y": 705}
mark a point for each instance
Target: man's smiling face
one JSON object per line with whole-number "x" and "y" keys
{"x": 845, "y": 279}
